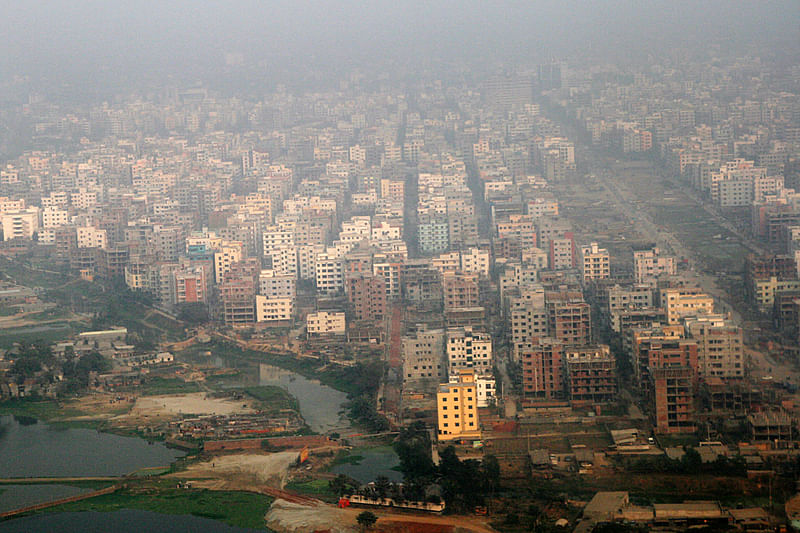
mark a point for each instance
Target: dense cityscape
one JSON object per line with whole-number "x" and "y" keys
{"x": 558, "y": 296}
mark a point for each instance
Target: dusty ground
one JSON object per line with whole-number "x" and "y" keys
{"x": 241, "y": 471}
{"x": 186, "y": 404}
{"x": 286, "y": 517}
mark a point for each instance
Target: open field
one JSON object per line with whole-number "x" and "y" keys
{"x": 240, "y": 509}
{"x": 244, "y": 471}
{"x": 185, "y": 404}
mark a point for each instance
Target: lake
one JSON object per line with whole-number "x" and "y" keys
{"x": 36, "y": 449}
{"x": 127, "y": 521}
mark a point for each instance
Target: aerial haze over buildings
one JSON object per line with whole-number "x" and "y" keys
{"x": 494, "y": 266}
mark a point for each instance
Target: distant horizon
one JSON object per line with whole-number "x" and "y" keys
{"x": 108, "y": 44}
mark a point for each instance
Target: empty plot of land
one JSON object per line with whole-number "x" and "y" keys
{"x": 242, "y": 471}
{"x": 187, "y": 404}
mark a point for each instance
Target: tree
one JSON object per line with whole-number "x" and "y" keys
{"x": 193, "y": 313}
{"x": 490, "y": 468}
{"x": 366, "y": 520}
{"x": 382, "y": 486}
{"x": 339, "y": 485}
{"x": 413, "y": 447}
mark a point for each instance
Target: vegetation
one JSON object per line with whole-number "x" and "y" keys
{"x": 156, "y": 386}
{"x": 366, "y": 520}
{"x": 272, "y": 398}
{"x": 240, "y": 509}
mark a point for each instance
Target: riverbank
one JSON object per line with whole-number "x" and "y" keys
{"x": 235, "y": 508}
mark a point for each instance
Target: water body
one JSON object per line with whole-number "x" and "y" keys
{"x": 127, "y": 521}
{"x": 16, "y": 496}
{"x": 376, "y": 462}
{"x": 30, "y": 448}
{"x": 321, "y": 406}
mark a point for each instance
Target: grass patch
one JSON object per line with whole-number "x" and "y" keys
{"x": 239, "y": 509}
{"x": 319, "y": 488}
{"x": 47, "y": 410}
{"x": 48, "y": 334}
{"x": 272, "y": 398}
{"x": 162, "y": 386}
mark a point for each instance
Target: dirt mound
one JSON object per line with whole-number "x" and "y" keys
{"x": 286, "y": 517}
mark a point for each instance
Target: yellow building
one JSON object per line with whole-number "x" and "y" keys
{"x": 457, "y": 408}
{"x": 685, "y": 302}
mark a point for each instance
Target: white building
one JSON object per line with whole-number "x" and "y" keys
{"x": 594, "y": 262}
{"x": 20, "y": 224}
{"x": 486, "y": 387}
{"x": 274, "y": 285}
{"x": 468, "y": 350}
{"x": 326, "y": 323}
{"x": 91, "y": 237}
{"x": 274, "y": 309}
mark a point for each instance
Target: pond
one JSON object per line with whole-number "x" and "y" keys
{"x": 369, "y": 463}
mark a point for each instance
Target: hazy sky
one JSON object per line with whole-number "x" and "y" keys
{"x": 108, "y": 38}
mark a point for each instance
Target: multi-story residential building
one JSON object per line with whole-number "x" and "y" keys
{"x": 468, "y": 349}
{"x": 326, "y": 323}
{"x": 367, "y": 296}
{"x": 634, "y": 297}
{"x": 649, "y": 263}
{"x": 594, "y": 262}
{"x": 53, "y": 217}
{"x": 486, "y": 387}
{"x": 543, "y": 369}
{"x": 227, "y": 253}
{"x": 475, "y": 261}
{"x": 20, "y": 224}
{"x": 720, "y": 347}
{"x": 460, "y": 290}
{"x": 391, "y": 272}
{"x": 563, "y": 254}
{"x": 457, "y": 409}
{"x": 659, "y": 347}
{"x": 307, "y": 260}
{"x": 433, "y": 234}
{"x": 682, "y": 302}
{"x": 274, "y": 309}
{"x": 329, "y": 270}
{"x": 671, "y": 394}
{"x": 591, "y": 374}
{"x": 190, "y": 285}
{"x": 273, "y": 285}
{"x": 91, "y": 237}
{"x": 568, "y": 318}
{"x": 424, "y": 358}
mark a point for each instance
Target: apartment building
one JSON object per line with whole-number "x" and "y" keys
{"x": 468, "y": 350}
{"x": 457, "y": 409}
{"x": 682, "y": 302}
{"x": 367, "y": 296}
{"x": 594, "y": 263}
{"x": 543, "y": 369}
{"x": 649, "y": 264}
{"x": 591, "y": 374}
{"x": 720, "y": 347}
{"x": 326, "y": 323}
{"x": 424, "y": 358}
{"x": 274, "y": 309}
{"x": 671, "y": 396}
{"x": 460, "y": 290}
